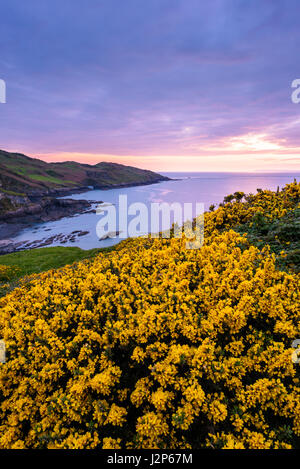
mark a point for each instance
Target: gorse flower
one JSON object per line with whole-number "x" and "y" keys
{"x": 7, "y": 272}
{"x": 156, "y": 346}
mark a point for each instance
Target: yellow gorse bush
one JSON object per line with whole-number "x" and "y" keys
{"x": 156, "y": 346}
{"x": 7, "y": 272}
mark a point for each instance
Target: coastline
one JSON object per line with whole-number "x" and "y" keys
{"x": 50, "y": 206}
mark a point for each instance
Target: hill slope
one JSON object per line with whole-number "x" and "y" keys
{"x": 28, "y": 187}
{"x": 157, "y": 346}
{"x": 31, "y": 176}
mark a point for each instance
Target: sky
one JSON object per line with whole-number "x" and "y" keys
{"x": 168, "y": 85}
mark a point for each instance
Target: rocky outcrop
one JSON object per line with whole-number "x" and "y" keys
{"x": 19, "y": 216}
{"x": 47, "y": 209}
{"x": 8, "y": 246}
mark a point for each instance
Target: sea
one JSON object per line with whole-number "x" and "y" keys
{"x": 183, "y": 188}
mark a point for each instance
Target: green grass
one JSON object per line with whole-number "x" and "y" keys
{"x": 282, "y": 234}
{"x": 17, "y": 169}
{"x": 35, "y": 261}
{"x": 40, "y": 177}
{"x": 42, "y": 259}
{"x": 12, "y": 192}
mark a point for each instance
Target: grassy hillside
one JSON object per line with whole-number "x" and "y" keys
{"x": 15, "y": 266}
{"x": 20, "y": 174}
{"x": 282, "y": 235}
{"x": 156, "y": 346}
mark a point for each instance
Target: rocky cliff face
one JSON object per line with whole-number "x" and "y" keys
{"x": 46, "y": 209}
{"x": 11, "y": 203}
{"x": 17, "y": 212}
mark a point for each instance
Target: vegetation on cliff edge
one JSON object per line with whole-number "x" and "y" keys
{"x": 156, "y": 346}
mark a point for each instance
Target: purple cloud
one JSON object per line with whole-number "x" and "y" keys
{"x": 147, "y": 78}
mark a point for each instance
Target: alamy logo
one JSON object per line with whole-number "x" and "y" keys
{"x": 138, "y": 219}
{"x": 2, "y": 351}
{"x": 2, "y": 91}
{"x": 295, "y": 96}
{"x": 296, "y": 353}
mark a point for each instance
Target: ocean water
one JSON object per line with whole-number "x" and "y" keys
{"x": 207, "y": 188}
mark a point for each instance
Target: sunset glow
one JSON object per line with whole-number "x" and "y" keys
{"x": 167, "y": 87}
{"x": 251, "y": 152}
